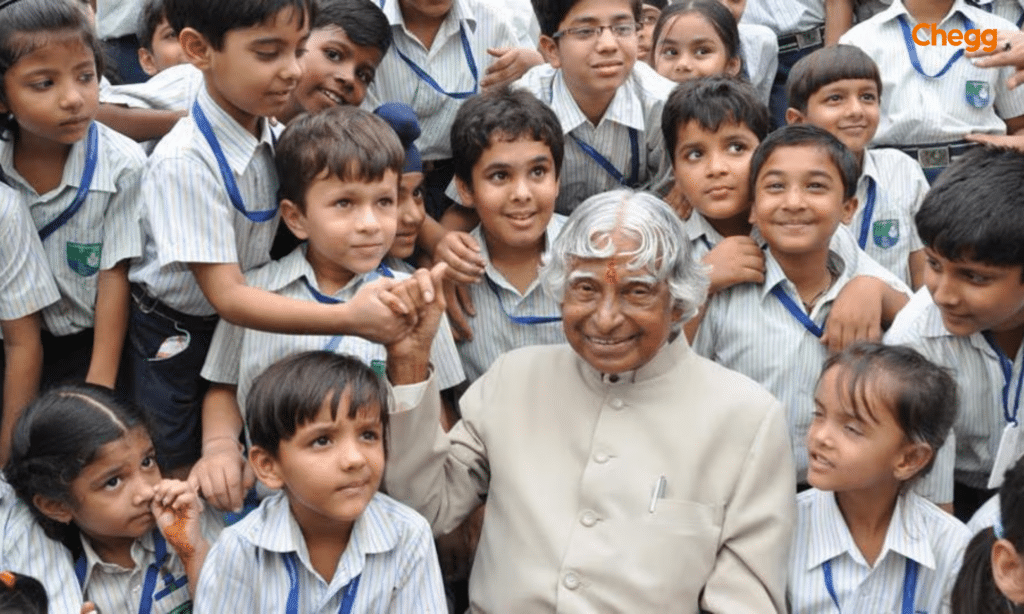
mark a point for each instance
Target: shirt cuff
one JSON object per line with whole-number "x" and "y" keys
{"x": 410, "y": 396}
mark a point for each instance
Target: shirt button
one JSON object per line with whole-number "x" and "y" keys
{"x": 571, "y": 581}
{"x": 588, "y": 518}
{"x": 617, "y": 403}
{"x": 601, "y": 458}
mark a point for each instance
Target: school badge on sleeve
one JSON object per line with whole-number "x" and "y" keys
{"x": 84, "y": 258}
{"x": 977, "y": 93}
{"x": 886, "y": 233}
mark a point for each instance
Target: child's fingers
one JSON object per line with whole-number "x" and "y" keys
{"x": 465, "y": 299}
{"x": 461, "y": 329}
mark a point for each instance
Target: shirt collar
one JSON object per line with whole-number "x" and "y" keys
{"x": 461, "y": 12}
{"x": 554, "y": 224}
{"x": 238, "y": 145}
{"x": 142, "y": 549}
{"x": 868, "y": 169}
{"x": 292, "y": 268}
{"x": 103, "y": 179}
{"x": 897, "y": 8}
{"x": 668, "y": 356}
{"x": 933, "y": 328}
{"x": 774, "y": 276}
{"x": 626, "y": 108}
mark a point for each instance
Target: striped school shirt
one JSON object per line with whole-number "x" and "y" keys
{"x": 187, "y": 215}
{"x": 759, "y": 48}
{"x": 103, "y": 232}
{"x": 785, "y": 16}
{"x": 637, "y": 105}
{"x": 391, "y": 550}
{"x": 26, "y": 284}
{"x": 918, "y": 531}
{"x": 237, "y": 355}
{"x": 1011, "y": 10}
{"x": 445, "y": 62}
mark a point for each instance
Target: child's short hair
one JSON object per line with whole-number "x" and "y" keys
{"x": 21, "y": 594}
{"x": 713, "y": 11}
{"x": 56, "y": 437}
{"x": 150, "y": 17}
{"x": 30, "y": 24}
{"x": 363, "y": 21}
{"x": 345, "y": 142}
{"x": 975, "y": 210}
{"x": 806, "y": 135}
{"x": 923, "y": 395}
{"x": 507, "y": 115}
{"x": 292, "y": 391}
{"x": 550, "y": 13}
{"x": 828, "y": 65}
{"x": 711, "y": 102}
{"x": 659, "y": 4}
{"x": 215, "y": 18}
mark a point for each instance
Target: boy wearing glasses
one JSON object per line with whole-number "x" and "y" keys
{"x": 609, "y": 104}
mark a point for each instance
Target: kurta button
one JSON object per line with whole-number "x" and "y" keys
{"x": 617, "y": 403}
{"x": 588, "y": 519}
{"x": 571, "y": 581}
{"x": 601, "y": 458}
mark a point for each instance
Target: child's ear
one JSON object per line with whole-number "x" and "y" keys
{"x": 794, "y": 116}
{"x": 146, "y": 62}
{"x": 549, "y": 49}
{"x": 732, "y": 67}
{"x": 197, "y": 48}
{"x": 465, "y": 192}
{"x": 915, "y": 457}
{"x": 264, "y": 465}
{"x": 294, "y": 219}
{"x": 53, "y": 508}
{"x": 1008, "y": 570}
{"x": 849, "y": 207}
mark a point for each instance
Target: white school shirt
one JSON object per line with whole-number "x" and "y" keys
{"x": 637, "y": 105}
{"x": 986, "y": 516}
{"x": 493, "y": 332}
{"x": 27, "y": 550}
{"x": 1011, "y": 10}
{"x": 26, "y": 284}
{"x": 117, "y": 18}
{"x": 917, "y": 110}
{"x": 918, "y": 531}
{"x": 445, "y": 62}
{"x": 785, "y": 16}
{"x": 172, "y": 89}
{"x": 101, "y": 234}
{"x": 237, "y": 355}
{"x": 117, "y": 589}
{"x": 391, "y": 550}
{"x": 187, "y": 215}
{"x": 747, "y": 329}
{"x": 900, "y": 187}
{"x": 759, "y": 48}
{"x": 979, "y": 377}
{"x": 522, "y": 18}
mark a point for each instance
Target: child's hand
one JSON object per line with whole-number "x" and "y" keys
{"x": 177, "y": 509}
{"x": 511, "y": 64}
{"x": 735, "y": 260}
{"x": 856, "y": 314}
{"x": 1010, "y": 141}
{"x": 223, "y": 475}
{"x": 424, "y": 290}
{"x": 89, "y": 608}
{"x": 379, "y": 314}
{"x": 678, "y": 202}
{"x": 460, "y": 305}
{"x": 462, "y": 254}
{"x": 1009, "y": 51}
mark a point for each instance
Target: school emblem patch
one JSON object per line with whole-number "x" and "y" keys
{"x": 886, "y": 233}
{"x": 379, "y": 367}
{"x": 185, "y": 608}
{"x": 84, "y": 258}
{"x": 977, "y": 94}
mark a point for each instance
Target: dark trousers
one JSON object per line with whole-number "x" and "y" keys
{"x": 122, "y": 54}
{"x": 778, "y": 102}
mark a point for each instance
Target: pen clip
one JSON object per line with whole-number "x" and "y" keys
{"x": 658, "y": 492}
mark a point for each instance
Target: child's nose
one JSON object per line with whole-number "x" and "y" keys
{"x": 350, "y": 456}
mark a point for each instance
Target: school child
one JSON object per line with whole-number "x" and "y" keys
{"x": 21, "y": 594}
{"x": 77, "y": 179}
{"x": 443, "y": 52}
{"x": 803, "y": 180}
{"x": 696, "y": 38}
{"x": 609, "y": 105}
{"x": 838, "y": 88}
{"x": 864, "y": 541}
{"x": 511, "y": 148}
{"x": 159, "y": 47}
{"x": 970, "y": 315}
{"x": 339, "y": 184}
{"x": 801, "y": 27}
{"x": 649, "y": 13}
{"x": 411, "y": 207}
{"x": 85, "y": 464}
{"x": 991, "y": 580}
{"x": 936, "y": 98}
{"x": 759, "y": 49}
{"x": 329, "y": 539}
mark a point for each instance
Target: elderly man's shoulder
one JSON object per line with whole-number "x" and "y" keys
{"x": 731, "y": 389}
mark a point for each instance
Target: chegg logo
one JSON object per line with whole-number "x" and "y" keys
{"x": 973, "y": 39}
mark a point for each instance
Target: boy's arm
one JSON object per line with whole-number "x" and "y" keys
{"x": 138, "y": 124}
{"x": 865, "y": 307}
{"x": 916, "y": 262}
{"x": 111, "y": 324}
{"x": 838, "y": 19}
{"x": 23, "y": 351}
{"x": 223, "y": 474}
{"x": 511, "y": 63}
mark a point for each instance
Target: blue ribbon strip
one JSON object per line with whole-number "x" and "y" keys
{"x": 1006, "y": 365}
{"x": 634, "y": 145}
{"x": 798, "y": 313}
{"x": 909, "y": 585}
{"x": 426, "y": 78}
{"x": 149, "y": 593}
{"x": 292, "y": 605}
{"x": 525, "y": 320}
{"x": 869, "y": 210}
{"x": 91, "y": 156}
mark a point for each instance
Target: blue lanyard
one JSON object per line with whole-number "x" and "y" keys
{"x": 869, "y": 210}
{"x": 149, "y": 594}
{"x": 798, "y": 313}
{"x": 909, "y": 586}
{"x": 292, "y": 606}
{"x": 526, "y": 320}
{"x": 912, "y": 47}
{"x": 422, "y": 74}
{"x": 382, "y": 270}
{"x": 225, "y": 171}
{"x": 91, "y": 155}
{"x": 704, "y": 239}
{"x": 634, "y": 145}
{"x": 1006, "y": 365}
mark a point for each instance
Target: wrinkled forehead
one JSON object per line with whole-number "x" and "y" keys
{"x": 620, "y": 269}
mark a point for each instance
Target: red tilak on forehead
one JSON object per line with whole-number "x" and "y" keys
{"x": 611, "y": 275}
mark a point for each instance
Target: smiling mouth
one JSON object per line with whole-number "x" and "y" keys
{"x": 611, "y": 343}
{"x": 817, "y": 459}
{"x": 719, "y": 191}
{"x": 335, "y": 98}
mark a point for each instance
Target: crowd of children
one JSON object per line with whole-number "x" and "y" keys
{"x": 205, "y": 278}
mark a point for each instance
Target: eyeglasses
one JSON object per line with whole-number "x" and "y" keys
{"x": 586, "y": 33}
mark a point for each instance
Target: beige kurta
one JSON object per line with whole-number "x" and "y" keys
{"x": 569, "y": 460}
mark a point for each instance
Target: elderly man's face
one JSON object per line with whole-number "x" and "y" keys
{"x": 615, "y": 317}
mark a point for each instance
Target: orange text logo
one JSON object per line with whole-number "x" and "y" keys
{"x": 930, "y": 34}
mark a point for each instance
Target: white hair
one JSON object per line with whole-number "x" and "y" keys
{"x": 663, "y": 248}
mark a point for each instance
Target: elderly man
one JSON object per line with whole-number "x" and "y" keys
{"x": 622, "y": 472}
